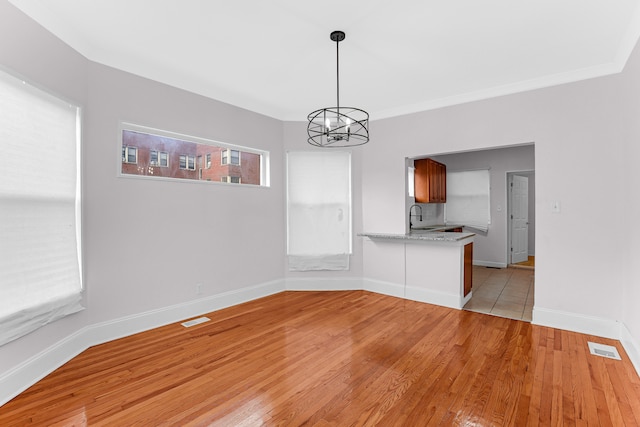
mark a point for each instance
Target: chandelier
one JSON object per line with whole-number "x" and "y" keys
{"x": 334, "y": 127}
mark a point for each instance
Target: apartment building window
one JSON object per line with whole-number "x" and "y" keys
{"x": 230, "y": 157}
{"x": 130, "y": 155}
{"x": 231, "y": 179}
{"x": 40, "y": 239}
{"x": 186, "y": 157}
{"x": 158, "y": 158}
{"x": 187, "y": 162}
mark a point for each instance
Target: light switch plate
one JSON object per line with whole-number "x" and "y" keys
{"x": 555, "y": 207}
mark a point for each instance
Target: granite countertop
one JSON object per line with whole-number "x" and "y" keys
{"x": 430, "y": 236}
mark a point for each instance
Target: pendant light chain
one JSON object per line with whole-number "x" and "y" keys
{"x": 338, "y": 75}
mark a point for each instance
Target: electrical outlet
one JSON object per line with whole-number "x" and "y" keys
{"x": 198, "y": 288}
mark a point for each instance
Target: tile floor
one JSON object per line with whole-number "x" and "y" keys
{"x": 505, "y": 292}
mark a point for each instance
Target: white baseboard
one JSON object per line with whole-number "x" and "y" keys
{"x": 433, "y": 297}
{"x": 576, "y": 323}
{"x": 631, "y": 346}
{"x": 384, "y": 288}
{"x": 490, "y": 264}
{"x": 323, "y": 284}
{"x": 32, "y": 370}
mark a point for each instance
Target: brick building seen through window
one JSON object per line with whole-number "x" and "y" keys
{"x": 160, "y": 156}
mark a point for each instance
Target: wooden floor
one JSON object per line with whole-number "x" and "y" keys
{"x": 338, "y": 359}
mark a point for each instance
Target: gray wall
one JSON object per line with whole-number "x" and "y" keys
{"x": 147, "y": 243}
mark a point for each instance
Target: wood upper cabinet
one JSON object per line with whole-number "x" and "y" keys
{"x": 430, "y": 181}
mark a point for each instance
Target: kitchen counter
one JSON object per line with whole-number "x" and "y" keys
{"x": 432, "y": 267}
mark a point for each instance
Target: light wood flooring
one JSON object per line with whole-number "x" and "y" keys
{"x": 351, "y": 358}
{"x": 506, "y": 292}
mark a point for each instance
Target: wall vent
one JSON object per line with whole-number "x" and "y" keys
{"x": 194, "y": 322}
{"x": 603, "y": 350}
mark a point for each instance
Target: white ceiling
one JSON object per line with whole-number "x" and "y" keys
{"x": 275, "y": 57}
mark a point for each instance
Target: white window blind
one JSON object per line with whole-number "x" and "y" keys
{"x": 319, "y": 210}
{"x": 468, "y": 199}
{"x": 40, "y": 276}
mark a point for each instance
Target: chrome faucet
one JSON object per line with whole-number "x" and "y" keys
{"x": 410, "y": 215}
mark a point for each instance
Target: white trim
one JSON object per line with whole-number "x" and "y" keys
{"x": 324, "y": 284}
{"x": 433, "y": 297}
{"x": 490, "y": 264}
{"x": 576, "y": 322}
{"x": 385, "y": 288}
{"x": 631, "y": 346}
{"x": 32, "y": 370}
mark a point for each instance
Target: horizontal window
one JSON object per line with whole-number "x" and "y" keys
{"x": 163, "y": 154}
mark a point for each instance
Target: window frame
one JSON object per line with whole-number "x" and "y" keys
{"x": 160, "y": 159}
{"x": 188, "y": 160}
{"x": 125, "y": 154}
{"x": 231, "y": 179}
{"x": 226, "y": 157}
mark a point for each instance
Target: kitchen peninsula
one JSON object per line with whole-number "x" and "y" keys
{"x": 431, "y": 267}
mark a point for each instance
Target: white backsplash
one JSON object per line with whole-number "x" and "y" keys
{"x": 432, "y": 214}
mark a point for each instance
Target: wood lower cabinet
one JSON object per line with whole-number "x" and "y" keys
{"x": 468, "y": 268}
{"x": 430, "y": 181}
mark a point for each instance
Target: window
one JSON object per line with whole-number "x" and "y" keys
{"x": 230, "y": 157}
{"x": 130, "y": 155}
{"x": 187, "y": 162}
{"x": 231, "y": 179}
{"x": 319, "y": 210}
{"x": 189, "y": 158}
{"x": 158, "y": 158}
{"x": 468, "y": 199}
{"x": 164, "y": 159}
{"x": 40, "y": 240}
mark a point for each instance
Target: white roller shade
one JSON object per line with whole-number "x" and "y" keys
{"x": 468, "y": 199}
{"x": 40, "y": 277}
{"x": 318, "y": 210}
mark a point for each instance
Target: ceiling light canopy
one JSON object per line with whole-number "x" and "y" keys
{"x": 334, "y": 127}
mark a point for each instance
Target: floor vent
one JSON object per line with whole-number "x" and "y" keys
{"x": 607, "y": 351}
{"x": 194, "y": 322}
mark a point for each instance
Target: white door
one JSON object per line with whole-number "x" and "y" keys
{"x": 519, "y": 219}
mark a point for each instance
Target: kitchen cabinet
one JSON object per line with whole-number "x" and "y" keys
{"x": 430, "y": 179}
{"x": 468, "y": 268}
